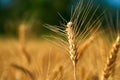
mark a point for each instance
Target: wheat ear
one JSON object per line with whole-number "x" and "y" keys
{"x": 72, "y": 46}
{"x": 24, "y": 70}
{"x": 110, "y": 65}
{"x": 80, "y": 27}
{"x": 22, "y": 40}
{"x": 22, "y": 34}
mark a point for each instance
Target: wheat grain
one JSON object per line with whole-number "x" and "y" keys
{"x": 110, "y": 65}
{"x": 79, "y": 28}
{"x": 72, "y": 46}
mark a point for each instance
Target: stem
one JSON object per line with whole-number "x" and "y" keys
{"x": 74, "y": 66}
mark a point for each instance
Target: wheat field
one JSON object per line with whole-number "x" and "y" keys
{"x": 44, "y": 60}
{"x": 80, "y": 49}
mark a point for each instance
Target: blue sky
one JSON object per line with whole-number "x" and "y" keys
{"x": 114, "y": 3}
{"x": 5, "y": 3}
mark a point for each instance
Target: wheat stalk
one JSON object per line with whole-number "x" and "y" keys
{"x": 57, "y": 74}
{"x": 110, "y": 65}
{"x": 24, "y": 70}
{"x": 22, "y": 39}
{"x": 72, "y": 46}
{"x": 79, "y": 28}
{"x": 22, "y": 34}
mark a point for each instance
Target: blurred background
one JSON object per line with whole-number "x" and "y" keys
{"x": 38, "y": 12}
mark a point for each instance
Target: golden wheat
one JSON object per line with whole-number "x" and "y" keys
{"x": 78, "y": 29}
{"x": 78, "y": 39}
{"x": 110, "y": 65}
